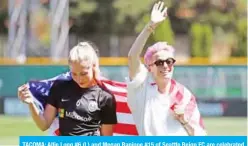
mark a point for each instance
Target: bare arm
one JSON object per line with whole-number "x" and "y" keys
{"x": 136, "y": 49}
{"x": 107, "y": 130}
{"x": 43, "y": 121}
{"x": 189, "y": 129}
{"x": 158, "y": 15}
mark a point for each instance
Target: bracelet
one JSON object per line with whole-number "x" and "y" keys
{"x": 151, "y": 28}
{"x": 185, "y": 123}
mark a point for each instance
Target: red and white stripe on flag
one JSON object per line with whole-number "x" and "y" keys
{"x": 182, "y": 96}
{"x": 125, "y": 125}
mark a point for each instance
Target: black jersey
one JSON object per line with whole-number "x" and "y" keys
{"x": 82, "y": 110}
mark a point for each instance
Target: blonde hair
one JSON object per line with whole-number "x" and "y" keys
{"x": 84, "y": 51}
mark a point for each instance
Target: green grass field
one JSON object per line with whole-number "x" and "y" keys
{"x": 13, "y": 127}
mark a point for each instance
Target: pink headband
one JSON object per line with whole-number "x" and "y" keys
{"x": 155, "y": 48}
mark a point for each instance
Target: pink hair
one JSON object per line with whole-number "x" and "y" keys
{"x": 155, "y": 48}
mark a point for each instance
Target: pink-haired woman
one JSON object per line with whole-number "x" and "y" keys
{"x": 159, "y": 104}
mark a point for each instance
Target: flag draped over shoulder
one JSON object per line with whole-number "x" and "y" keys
{"x": 125, "y": 126}
{"x": 183, "y": 97}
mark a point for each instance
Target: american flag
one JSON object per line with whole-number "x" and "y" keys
{"x": 124, "y": 127}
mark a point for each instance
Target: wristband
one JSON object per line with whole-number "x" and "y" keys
{"x": 185, "y": 123}
{"x": 151, "y": 27}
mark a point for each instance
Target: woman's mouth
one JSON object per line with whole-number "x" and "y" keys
{"x": 164, "y": 72}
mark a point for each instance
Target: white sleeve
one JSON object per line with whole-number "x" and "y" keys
{"x": 139, "y": 79}
{"x": 136, "y": 88}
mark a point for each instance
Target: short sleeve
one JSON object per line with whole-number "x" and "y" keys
{"x": 108, "y": 110}
{"x": 53, "y": 97}
{"x": 139, "y": 79}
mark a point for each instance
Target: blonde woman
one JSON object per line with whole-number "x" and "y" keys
{"x": 84, "y": 107}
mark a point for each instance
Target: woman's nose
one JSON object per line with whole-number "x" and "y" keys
{"x": 165, "y": 65}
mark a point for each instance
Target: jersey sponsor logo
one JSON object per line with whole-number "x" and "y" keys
{"x": 74, "y": 115}
{"x": 92, "y": 106}
{"x": 61, "y": 112}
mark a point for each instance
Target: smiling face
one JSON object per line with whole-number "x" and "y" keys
{"x": 162, "y": 65}
{"x": 159, "y": 59}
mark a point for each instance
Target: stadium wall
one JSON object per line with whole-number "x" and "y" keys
{"x": 220, "y": 88}
{"x": 206, "y": 82}
{"x": 112, "y": 61}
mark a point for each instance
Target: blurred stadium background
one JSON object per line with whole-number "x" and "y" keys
{"x": 210, "y": 37}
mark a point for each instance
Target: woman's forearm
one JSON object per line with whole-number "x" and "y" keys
{"x": 136, "y": 49}
{"x": 189, "y": 129}
{"x": 38, "y": 117}
{"x": 140, "y": 41}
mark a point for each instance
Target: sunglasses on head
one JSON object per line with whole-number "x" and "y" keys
{"x": 169, "y": 62}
